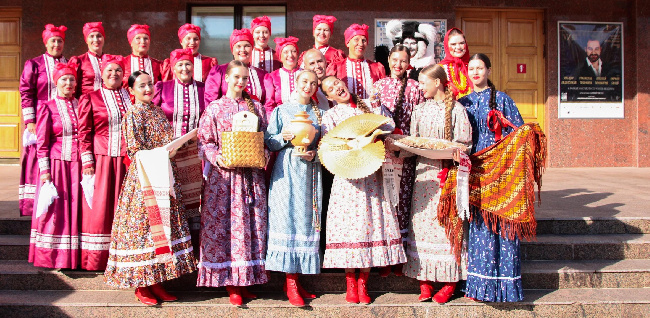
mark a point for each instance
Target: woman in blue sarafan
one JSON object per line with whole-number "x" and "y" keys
{"x": 494, "y": 262}
{"x": 295, "y": 192}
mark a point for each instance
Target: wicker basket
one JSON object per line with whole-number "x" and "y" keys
{"x": 243, "y": 149}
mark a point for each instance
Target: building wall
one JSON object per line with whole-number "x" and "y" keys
{"x": 572, "y": 142}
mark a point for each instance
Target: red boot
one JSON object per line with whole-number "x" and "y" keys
{"x": 384, "y": 271}
{"x": 425, "y": 290}
{"x": 246, "y": 294}
{"x": 445, "y": 293}
{"x": 351, "y": 295}
{"x": 161, "y": 293}
{"x": 398, "y": 270}
{"x": 292, "y": 291}
{"x": 363, "y": 290}
{"x": 235, "y": 295}
{"x": 305, "y": 294}
{"x": 144, "y": 295}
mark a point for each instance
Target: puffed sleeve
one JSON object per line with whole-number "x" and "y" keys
{"x": 510, "y": 112}
{"x": 269, "y": 89}
{"x": 338, "y": 55}
{"x": 86, "y": 131}
{"x": 28, "y": 91}
{"x": 213, "y": 85}
{"x": 43, "y": 131}
{"x": 273, "y": 134}
{"x": 133, "y": 132}
{"x": 379, "y": 71}
{"x": 166, "y": 71}
{"x": 76, "y": 61}
{"x": 157, "y": 95}
{"x": 208, "y": 136}
{"x": 462, "y": 127}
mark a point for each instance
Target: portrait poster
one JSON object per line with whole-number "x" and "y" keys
{"x": 590, "y": 70}
{"x": 435, "y": 40}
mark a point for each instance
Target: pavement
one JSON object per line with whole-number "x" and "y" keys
{"x": 567, "y": 193}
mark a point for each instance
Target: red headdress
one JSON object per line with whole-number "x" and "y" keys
{"x": 261, "y": 21}
{"x": 188, "y": 28}
{"x": 355, "y": 30}
{"x": 136, "y": 29}
{"x": 111, "y": 59}
{"x": 91, "y": 27}
{"x": 456, "y": 63}
{"x": 280, "y": 43}
{"x": 241, "y": 35}
{"x": 327, "y": 19}
{"x": 51, "y": 30}
{"x": 181, "y": 54}
{"x": 61, "y": 69}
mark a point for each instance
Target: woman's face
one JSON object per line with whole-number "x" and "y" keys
{"x": 192, "y": 41}
{"x": 336, "y": 90}
{"x": 237, "y": 79}
{"x": 140, "y": 44}
{"x": 357, "y": 46}
{"x": 95, "y": 42}
{"x": 398, "y": 62}
{"x": 428, "y": 86}
{"x": 66, "y": 85}
{"x": 112, "y": 76}
{"x": 242, "y": 51}
{"x": 306, "y": 84}
{"x": 184, "y": 70}
{"x": 289, "y": 57}
{"x": 457, "y": 45}
{"x": 322, "y": 34}
{"x": 54, "y": 46}
{"x": 478, "y": 73}
{"x": 261, "y": 37}
{"x": 142, "y": 89}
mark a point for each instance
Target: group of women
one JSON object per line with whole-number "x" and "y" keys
{"x": 95, "y": 115}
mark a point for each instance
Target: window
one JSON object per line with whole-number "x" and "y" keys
{"x": 218, "y": 22}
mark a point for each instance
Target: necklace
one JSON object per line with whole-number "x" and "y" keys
{"x": 462, "y": 86}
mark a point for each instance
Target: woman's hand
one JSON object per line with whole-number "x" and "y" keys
{"x": 46, "y": 177}
{"x": 89, "y": 171}
{"x": 308, "y": 156}
{"x": 287, "y": 136}
{"x": 31, "y": 127}
{"x": 390, "y": 144}
{"x": 456, "y": 154}
{"x": 221, "y": 163}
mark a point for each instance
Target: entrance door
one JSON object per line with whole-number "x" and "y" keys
{"x": 10, "y": 69}
{"x": 514, "y": 41}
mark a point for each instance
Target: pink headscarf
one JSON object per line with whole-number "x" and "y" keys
{"x": 91, "y": 27}
{"x": 327, "y": 19}
{"x": 51, "y": 30}
{"x": 111, "y": 59}
{"x": 280, "y": 43}
{"x": 261, "y": 21}
{"x": 181, "y": 54}
{"x": 61, "y": 69}
{"x": 355, "y": 30}
{"x": 136, "y": 29}
{"x": 188, "y": 28}
{"x": 241, "y": 35}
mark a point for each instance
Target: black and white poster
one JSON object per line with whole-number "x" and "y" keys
{"x": 590, "y": 70}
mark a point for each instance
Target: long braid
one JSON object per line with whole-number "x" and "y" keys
{"x": 397, "y": 115}
{"x": 449, "y": 103}
{"x": 249, "y": 102}
{"x": 316, "y": 110}
{"x": 493, "y": 96}
{"x": 361, "y": 104}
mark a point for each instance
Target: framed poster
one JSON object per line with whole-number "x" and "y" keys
{"x": 590, "y": 70}
{"x": 434, "y": 36}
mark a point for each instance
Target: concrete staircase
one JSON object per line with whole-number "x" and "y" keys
{"x": 577, "y": 267}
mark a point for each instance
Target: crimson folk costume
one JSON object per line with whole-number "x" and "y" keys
{"x": 202, "y": 64}
{"x": 133, "y": 62}
{"x": 456, "y": 69}
{"x": 54, "y": 239}
{"x": 36, "y": 87}
{"x": 89, "y": 75}
{"x": 331, "y": 54}
{"x": 102, "y": 147}
{"x": 280, "y": 83}
{"x": 264, "y": 59}
{"x": 360, "y": 73}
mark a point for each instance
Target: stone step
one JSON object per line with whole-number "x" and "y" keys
{"x": 587, "y": 247}
{"x": 578, "y": 225}
{"x": 14, "y": 247}
{"x": 633, "y": 273}
{"x": 633, "y": 302}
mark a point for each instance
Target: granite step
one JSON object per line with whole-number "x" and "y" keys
{"x": 15, "y": 226}
{"x": 587, "y": 247}
{"x": 634, "y": 302}
{"x": 14, "y": 247}
{"x": 632, "y": 273}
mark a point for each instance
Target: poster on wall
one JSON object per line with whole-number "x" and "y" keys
{"x": 423, "y": 37}
{"x": 590, "y": 70}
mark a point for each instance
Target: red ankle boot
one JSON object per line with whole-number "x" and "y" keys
{"x": 305, "y": 294}
{"x": 292, "y": 291}
{"x": 234, "y": 293}
{"x": 161, "y": 293}
{"x": 363, "y": 290}
{"x": 398, "y": 270}
{"x": 425, "y": 290}
{"x": 246, "y": 294}
{"x": 384, "y": 271}
{"x": 445, "y": 293}
{"x": 351, "y": 295}
{"x": 144, "y": 295}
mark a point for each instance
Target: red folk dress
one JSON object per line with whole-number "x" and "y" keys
{"x": 359, "y": 74}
